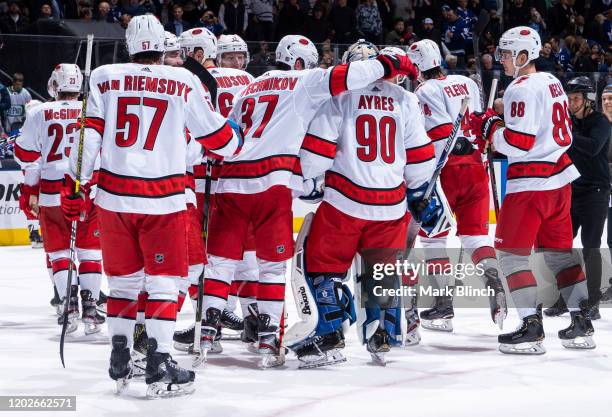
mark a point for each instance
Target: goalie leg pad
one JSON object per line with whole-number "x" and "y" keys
{"x": 331, "y": 299}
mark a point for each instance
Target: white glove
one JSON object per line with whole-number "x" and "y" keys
{"x": 313, "y": 190}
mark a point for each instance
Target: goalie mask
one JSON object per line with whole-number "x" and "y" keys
{"x": 361, "y": 50}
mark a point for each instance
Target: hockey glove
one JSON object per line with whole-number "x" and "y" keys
{"x": 74, "y": 206}
{"x": 313, "y": 190}
{"x": 462, "y": 147}
{"x": 395, "y": 65}
{"x": 26, "y": 192}
{"x": 417, "y": 204}
{"x": 484, "y": 126}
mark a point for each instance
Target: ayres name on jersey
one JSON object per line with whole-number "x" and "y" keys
{"x": 375, "y": 103}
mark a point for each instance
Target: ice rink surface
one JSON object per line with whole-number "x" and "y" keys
{"x": 447, "y": 375}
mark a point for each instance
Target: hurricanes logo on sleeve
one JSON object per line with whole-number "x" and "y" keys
{"x": 159, "y": 258}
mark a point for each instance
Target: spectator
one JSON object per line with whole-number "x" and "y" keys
{"x": 428, "y": 31}
{"x": 579, "y": 24}
{"x": 599, "y": 30}
{"x": 15, "y": 115}
{"x": 369, "y": 23}
{"x": 116, "y": 10}
{"x": 486, "y": 66}
{"x": 395, "y": 37}
{"x": 135, "y": 8}
{"x": 178, "y": 25}
{"x": 13, "y": 21}
{"x": 316, "y": 28}
{"x": 86, "y": 14}
{"x": 46, "y": 13}
{"x": 561, "y": 54}
{"x": 591, "y": 191}
{"x": 290, "y": 18}
{"x": 233, "y": 16}
{"x": 450, "y": 63}
{"x": 454, "y": 37}
{"x": 536, "y": 22}
{"x": 261, "y": 20}
{"x": 427, "y": 9}
{"x": 104, "y": 13}
{"x": 124, "y": 20}
{"x": 561, "y": 15}
{"x": 546, "y": 61}
{"x": 210, "y": 22}
{"x": 343, "y": 22}
{"x": 5, "y": 103}
{"x": 385, "y": 9}
{"x": 409, "y": 36}
{"x": 165, "y": 12}
{"x": 467, "y": 15}
{"x": 517, "y": 15}
{"x": 583, "y": 61}
{"x": 607, "y": 26}
{"x": 261, "y": 61}
{"x": 327, "y": 60}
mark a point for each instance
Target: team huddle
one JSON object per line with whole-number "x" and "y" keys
{"x": 185, "y": 189}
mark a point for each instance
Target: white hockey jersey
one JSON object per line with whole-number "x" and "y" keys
{"x": 440, "y": 101}
{"x": 136, "y": 120}
{"x": 230, "y": 82}
{"x": 372, "y": 143}
{"x": 537, "y": 134}
{"x": 45, "y": 144}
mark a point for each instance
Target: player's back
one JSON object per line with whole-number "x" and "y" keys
{"x": 373, "y": 128}
{"x": 48, "y": 133}
{"x": 440, "y": 100}
{"x": 229, "y": 83}
{"x": 538, "y": 124}
{"x": 141, "y": 112}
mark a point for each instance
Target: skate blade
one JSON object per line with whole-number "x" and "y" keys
{"x": 527, "y": 348}
{"x": 139, "y": 364}
{"x": 253, "y": 347}
{"x": 378, "y": 358}
{"x": 230, "y": 336}
{"x": 412, "y": 338}
{"x": 270, "y": 360}
{"x": 183, "y": 347}
{"x": 439, "y": 325}
{"x": 90, "y": 327}
{"x": 122, "y": 385}
{"x": 216, "y": 347}
{"x": 579, "y": 343}
{"x": 501, "y": 311}
{"x": 330, "y": 358}
{"x": 159, "y": 390}
{"x": 200, "y": 358}
{"x": 59, "y": 309}
{"x": 72, "y": 326}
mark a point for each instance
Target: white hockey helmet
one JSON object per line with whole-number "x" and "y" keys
{"x": 294, "y": 47}
{"x": 145, "y": 34}
{"x": 199, "y": 38}
{"x": 425, "y": 54}
{"x": 232, "y": 43}
{"x": 361, "y": 50}
{"x": 171, "y": 43}
{"x": 394, "y": 50}
{"x": 517, "y": 40}
{"x": 65, "y": 78}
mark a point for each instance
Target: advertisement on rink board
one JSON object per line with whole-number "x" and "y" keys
{"x": 13, "y": 226}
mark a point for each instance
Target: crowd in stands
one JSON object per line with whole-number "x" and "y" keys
{"x": 577, "y": 34}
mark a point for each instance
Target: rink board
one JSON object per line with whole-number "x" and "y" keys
{"x": 13, "y": 225}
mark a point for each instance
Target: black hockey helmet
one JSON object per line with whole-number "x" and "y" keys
{"x": 582, "y": 84}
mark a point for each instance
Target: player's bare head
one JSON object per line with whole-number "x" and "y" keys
{"x": 394, "y": 50}
{"x": 581, "y": 95}
{"x": 65, "y": 82}
{"x": 173, "y": 54}
{"x": 296, "y": 52}
{"x": 361, "y": 50}
{"x": 426, "y": 56}
{"x": 606, "y": 101}
{"x": 232, "y": 52}
{"x": 200, "y": 44}
{"x": 518, "y": 48}
{"x": 145, "y": 39}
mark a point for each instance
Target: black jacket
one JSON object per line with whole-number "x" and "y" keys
{"x": 589, "y": 150}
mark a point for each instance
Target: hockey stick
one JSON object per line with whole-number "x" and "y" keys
{"x": 414, "y": 226}
{"x": 197, "y": 333}
{"x": 490, "y": 167}
{"x": 77, "y": 187}
{"x": 205, "y": 77}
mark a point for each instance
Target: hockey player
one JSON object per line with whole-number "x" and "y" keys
{"x": 255, "y": 187}
{"x": 373, "y": 149}
{"x": 42, "y": 150}
{"x": 464, "y": 182}
{"x": 136, "y": 120}
{"x": 536, "y": 209}
{"x": 173, "y": 54}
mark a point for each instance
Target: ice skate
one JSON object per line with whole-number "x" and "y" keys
{"x": 92, "y": 320}
{"x": 322, "y": 351}
{"x": 210, "y": 336}
{"x": 56, "y": 302}
{"x": 413, "y": 336}
{"x": 35, "y": 239}
{"x": 183, "y": 341}
{"x": 378, "y": 344}
{"x": 499, "y": 309}
{"x": 164, "y": 377}
{"x": 101, "y": 302}
{"x": 231, "y": 322}
{"x": 249, "y": 331}
{"x": 527, "y": 339}
{"x": 557, "y": 309}
{"x": 120, "y": 368}
{"x": 73, "y": 311}
{"x": 606, "y": 296}
{"x": 579, "y": 334}
{"x": 139, "y": 352}
{"x": 440, "y": 316}
{"x": 270, "y": 349}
